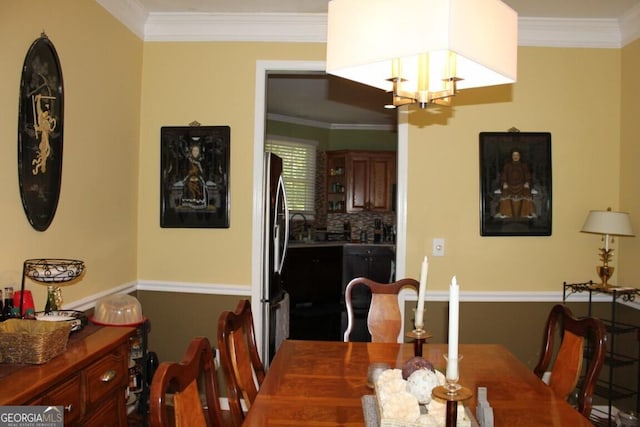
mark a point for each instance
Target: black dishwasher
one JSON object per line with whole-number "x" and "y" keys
{"x": 312, "y": 276}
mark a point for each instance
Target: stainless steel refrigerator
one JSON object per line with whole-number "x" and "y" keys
{"x": 274, "y": 300}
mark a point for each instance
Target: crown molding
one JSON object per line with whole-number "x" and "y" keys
{"x": 129, "y": 12}
{"x": 329, "y": 126}
{"x": 236, "y": 27}
{"x": 558, "y": 32}
{"x": 271, "y": 27}
{"x": 630, "y": 25}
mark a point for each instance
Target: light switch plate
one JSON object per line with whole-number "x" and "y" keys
{"x": 438, "y": 247}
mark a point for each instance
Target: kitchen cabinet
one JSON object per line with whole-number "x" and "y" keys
{"x": 89, "y": 379}
{"x": 620, "y": 364}
{"x": 370, "y": 179}
{"x": 336, "y": 182}
{"x": 375, "y": 262}
{"x": 360, "y": 181}
{"x": 312, "y": 277}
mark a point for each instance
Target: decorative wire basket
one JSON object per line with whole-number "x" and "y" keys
{"x": 31, "y": 341}
{"x": 51, "y": 270}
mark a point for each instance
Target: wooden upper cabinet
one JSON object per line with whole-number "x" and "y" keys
{"x": 370, "y": 176}
{"x": 336, "y": 182}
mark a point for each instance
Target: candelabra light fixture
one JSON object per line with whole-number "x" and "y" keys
{"x": 608, "y": 224}
{"x": 422, "y": 51}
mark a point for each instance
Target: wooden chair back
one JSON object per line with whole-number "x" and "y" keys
{"x": 570, "y": 367}
{"x": 180, "y": 381}
{"x": 243, "y": 368}
{"x": 384, "y": 320}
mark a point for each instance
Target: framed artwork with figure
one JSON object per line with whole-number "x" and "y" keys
{"x": 194, "y": 176}
{"x": 515, "y": 183}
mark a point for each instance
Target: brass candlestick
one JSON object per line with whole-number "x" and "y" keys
{"x": 420, "y": 336}
{"x": 452, "y": 399}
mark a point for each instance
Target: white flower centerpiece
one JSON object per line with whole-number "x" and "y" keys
{"x": 400, "y": 393}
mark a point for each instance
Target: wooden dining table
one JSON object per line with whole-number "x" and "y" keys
{"x": 321, "y": 383}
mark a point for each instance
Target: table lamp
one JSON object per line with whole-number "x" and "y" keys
{"x": 607, "y": 223}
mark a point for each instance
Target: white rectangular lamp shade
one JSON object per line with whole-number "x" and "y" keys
{"x": 364, "y": 36}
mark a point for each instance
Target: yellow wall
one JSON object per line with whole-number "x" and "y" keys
{"x": 96, "y": 216}
{"x": 120, "y": 91}
{"x": 191, "y": 81}
{"x": 630, "y": 153}
{"x": 212, "y": 83}
{"x": 555, "y": 92}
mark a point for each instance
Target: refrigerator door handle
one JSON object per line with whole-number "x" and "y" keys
{"x": 281, "y": 195}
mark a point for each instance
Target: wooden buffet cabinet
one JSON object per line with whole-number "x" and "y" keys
{"x": 89, "y": 379}
{"x": 359, "y": 181}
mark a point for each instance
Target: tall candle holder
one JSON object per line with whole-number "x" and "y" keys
{"x": 419, "y": 336}
{"x": 52, "y": 272}
{"x": 452, "y": 399}
{"x": 452, "y": 392}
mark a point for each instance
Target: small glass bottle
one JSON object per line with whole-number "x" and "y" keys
{"x": 52, "y": 300}
{"x": 7, "y": 309}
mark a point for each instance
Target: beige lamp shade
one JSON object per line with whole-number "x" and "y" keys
{"x": 365, "y": 36}
{"x": 608, "y": 222}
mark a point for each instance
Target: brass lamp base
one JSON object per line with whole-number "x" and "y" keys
{"x": 604, "y": 272}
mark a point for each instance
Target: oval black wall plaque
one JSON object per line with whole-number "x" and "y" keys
{"x": 40, "y": 126}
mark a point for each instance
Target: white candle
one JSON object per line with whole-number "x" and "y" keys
{"x": 419, "y": 321}
{"x": 454, "y": 302}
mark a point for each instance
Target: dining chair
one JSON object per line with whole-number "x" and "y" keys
{"x": 384, "y": 320}
{"x": 579, "y": 355}
{"x": 243, "y": 368}
{"x": 174, "y": 396}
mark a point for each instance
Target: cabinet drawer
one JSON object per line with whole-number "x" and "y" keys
{"x": 69, "y": 396}
{"x": 107, "y": 414}
{"x": 106, "y": 375}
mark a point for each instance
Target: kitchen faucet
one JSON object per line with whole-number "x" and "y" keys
{"x": 305, "y": 226}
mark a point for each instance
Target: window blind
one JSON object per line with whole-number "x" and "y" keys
{"x": 299, "y": 172}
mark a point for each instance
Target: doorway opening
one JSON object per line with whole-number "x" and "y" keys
{"x": 281, "y": 81}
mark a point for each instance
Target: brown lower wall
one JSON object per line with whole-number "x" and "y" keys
{"x": 177, "y": 317}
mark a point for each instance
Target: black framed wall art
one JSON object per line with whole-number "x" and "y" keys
{"x": 40, "y": 126}
{"x": 515, "y": 184}
{"x": 194, "y": 179}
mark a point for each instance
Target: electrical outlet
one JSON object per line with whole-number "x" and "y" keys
{"x": 438, "y": 247}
